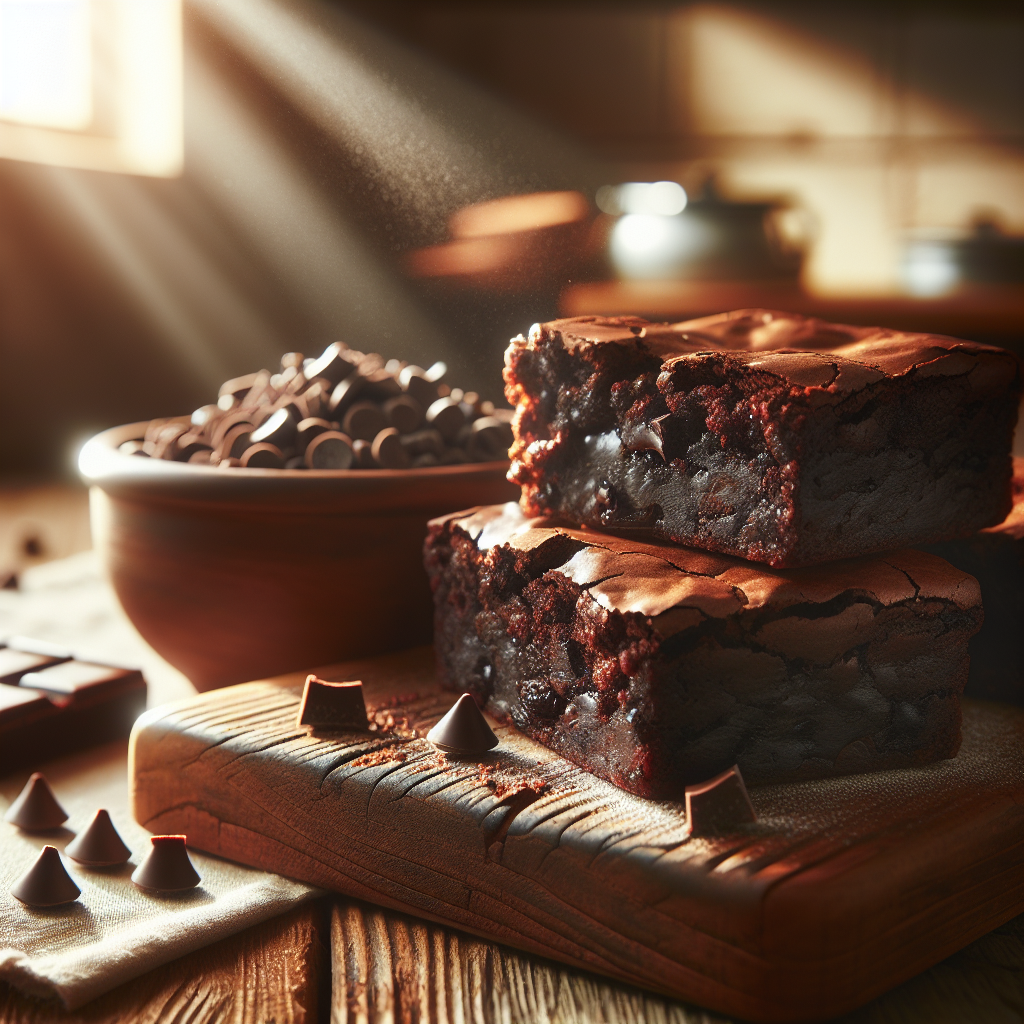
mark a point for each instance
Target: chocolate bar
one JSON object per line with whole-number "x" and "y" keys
{"x": 54, "y": 704}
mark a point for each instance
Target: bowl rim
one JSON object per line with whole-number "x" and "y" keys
{"x": 101, "y": 464}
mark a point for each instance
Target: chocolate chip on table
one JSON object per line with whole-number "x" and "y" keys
{"x": 167, "y": 867}
{"x": 364, "y": 421}
{"x": 404, "y": 413}
{"x": 278, "y": 429}
{"x": 446, "y": 416}
{"x": 330, "y": 450}
{"x": 47, "y": 883}
{"x": 388, "y": 451}
{"x": 98, "y": 845}
{"x": 464, "y": 730}
{"x": 263, "y": 456}
{"x": 332, "y": 707}
{"x": 35, "y": 809}
{"x": 719, "y": 805}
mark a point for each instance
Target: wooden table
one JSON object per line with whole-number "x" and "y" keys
{"x": 340, "y": 960}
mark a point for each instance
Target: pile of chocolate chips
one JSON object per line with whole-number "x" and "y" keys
{"x": 343, "y": 410}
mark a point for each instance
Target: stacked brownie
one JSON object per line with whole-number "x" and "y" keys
{"x": 796, "y": 460}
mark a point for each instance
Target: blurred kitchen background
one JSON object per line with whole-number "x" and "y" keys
{"x": 189, "y": 189}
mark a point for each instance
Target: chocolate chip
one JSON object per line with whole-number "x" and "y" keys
{"x": 332, "y": 707}
{"x": 167, "y": 867}
{"x": 98, "y": 844}
{"x": 334, "y": 364}
{"x": 345, "y": 394}
{"x": 446, "y": 416}
{"x": 426, "y": 459}
{"x": 388, "y": 451}
{"x": 423, "y": 441}
{"x": 489, "y": 439}
{"x": 719, "y": 805}
{"x": 404, "y": 413}
{"x": 364, "y": 421}
{"x": 263, "y": 456}
{"x": 364, "y": 455}
{"x": 36, "y": 808}
{"x": 232, "y": 419}
{"x": 380, "y": 385}
{"x": 308, "y": 429}
{"x": 47, "y": 883}
{"x": 415, "y": 381}
{"x": 278, "y": 429}
{"x": 464, "y": 730}
{"x": 234, "y": 443}
{"x": 330, "y": 450}
{"x": 295, "y": 462}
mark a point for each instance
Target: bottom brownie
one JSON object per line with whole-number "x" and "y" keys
{"x": 656, "y": 666}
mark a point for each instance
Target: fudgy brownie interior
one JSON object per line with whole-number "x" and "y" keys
{"x": 766, "y": 435}
{"x": 656, "y": 666}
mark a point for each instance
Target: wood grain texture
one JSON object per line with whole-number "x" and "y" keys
{"x": 270, "y": 973}
{"x": 845, "y": 887}
{"x": 388, "y": 968}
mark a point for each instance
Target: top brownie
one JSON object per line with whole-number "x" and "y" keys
{"x": 771, "y": 436}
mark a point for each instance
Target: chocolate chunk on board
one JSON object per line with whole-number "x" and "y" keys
{"x": 658, "y": 667}
{"x": 771, "y": 436}
{"x": 60, "y": 707}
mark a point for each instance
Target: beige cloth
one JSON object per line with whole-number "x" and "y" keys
{"x": 114, "y": 932}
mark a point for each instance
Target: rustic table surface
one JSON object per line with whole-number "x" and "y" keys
{"x": 340, "y": 960}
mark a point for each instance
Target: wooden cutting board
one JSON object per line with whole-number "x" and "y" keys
{"x": 844, "y": 887}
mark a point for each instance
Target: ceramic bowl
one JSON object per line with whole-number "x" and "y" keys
{"x": 245, "y": 573}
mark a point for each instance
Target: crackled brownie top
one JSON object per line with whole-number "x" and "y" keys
{"x": 805, "y": 351}
{"x": 628, "y": 575}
